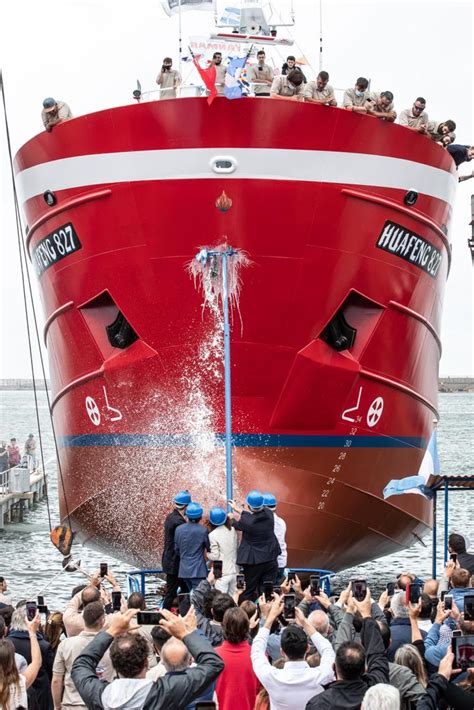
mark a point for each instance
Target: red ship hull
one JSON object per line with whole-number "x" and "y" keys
{"x": 317, "y": 196}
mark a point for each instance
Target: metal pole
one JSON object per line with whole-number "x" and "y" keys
{"x": 180, "y": 44}
{"x": 228, "y": 411}
{"x": 433, "y": 558}
{"x": 320, "y": 35}
{"x": 446, "y": 520}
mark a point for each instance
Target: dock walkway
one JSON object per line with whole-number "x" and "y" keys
{"x": 19, "y": 488}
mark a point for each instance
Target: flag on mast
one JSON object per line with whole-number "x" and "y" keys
{"x": 172, "y": 6}
{"x": 209, "y": 78}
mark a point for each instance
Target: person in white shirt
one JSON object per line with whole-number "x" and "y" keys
{"x": 270, "y": 502}
{"x": 224, "y": 543}
{"x": 292, "y": 686}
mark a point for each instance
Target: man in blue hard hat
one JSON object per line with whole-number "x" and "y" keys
{"x": 169, "y": 560}
{"x": 259, "y": 548}
{"x": 270, "y": 502}
{"x": 191, "y": 541}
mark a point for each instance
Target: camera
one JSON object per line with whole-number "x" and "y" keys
{"x": 104, "y": 569}
{"x": 240, "y": 581}
{"x": 314, "y": 587}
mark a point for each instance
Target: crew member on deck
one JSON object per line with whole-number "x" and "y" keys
{"x": 54, "y": 112}
{"x": 221, "y": 71}
{"x": 170, "y": 560}
{"x": 319, "y": 91}
{"x": 381, "y": 106}
{"x": 261, "y": 75}
{"x": 355, "y": 99}
{"x": 290, "y": 86}
{"x": 443, "y": 133}
{"x": 415, "y": 118}
{"x": 168, "y": 79}
{"x": 291, "y": 65}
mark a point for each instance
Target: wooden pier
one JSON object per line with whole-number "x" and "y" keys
{"x": 20, "y": 489}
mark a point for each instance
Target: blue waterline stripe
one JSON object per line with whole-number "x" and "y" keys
{"x": 245, "y": 441}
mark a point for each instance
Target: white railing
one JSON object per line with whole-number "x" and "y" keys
{"x": 6, "y": 477}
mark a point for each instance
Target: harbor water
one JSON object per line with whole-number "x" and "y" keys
{"x": 29, "y": 561}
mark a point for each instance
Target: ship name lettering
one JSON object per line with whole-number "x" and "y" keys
{"x": 410, "y": 246}
{"x": 55, "y": 246}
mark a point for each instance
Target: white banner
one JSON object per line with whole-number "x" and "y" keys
{"x": 205, "y": 45}
{"x": 172, "y": 6}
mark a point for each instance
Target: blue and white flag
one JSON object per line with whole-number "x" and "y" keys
{"x": 417, "y": 484}
{"x": 236, "y": 82}
{"x": 231, "y": 17}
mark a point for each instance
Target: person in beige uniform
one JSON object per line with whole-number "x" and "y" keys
{"x": 290, "y": 86}
{"x": 443, "y": 133}
{"x": 415, "y": 118}
{"x": 355, "y": 99}
{"x": 261, "y": 75}
{"x": 221, "y": 71}
{"x": 320, "y": 91}
{"x": 54, "y": 112}
{"x": 65, "y": 695}
{"x": 168, "y": 80}
{"x": 381, "y": 106}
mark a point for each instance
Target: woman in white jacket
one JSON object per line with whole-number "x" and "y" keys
{"x": 224, "y": 543}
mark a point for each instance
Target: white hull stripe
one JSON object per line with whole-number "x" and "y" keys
{"x": 251, "y": 164}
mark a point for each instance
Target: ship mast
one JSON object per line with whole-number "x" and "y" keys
{"x": 320, "y": 35}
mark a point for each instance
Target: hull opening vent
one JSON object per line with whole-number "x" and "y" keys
{"x": 120, "y": 333}
{"x": 338, "y": 333}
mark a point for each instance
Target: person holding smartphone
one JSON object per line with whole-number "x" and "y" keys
{"x": 261, "y": 76}
{"x": 168, "y": 80}
{"x": 224, "y": 544}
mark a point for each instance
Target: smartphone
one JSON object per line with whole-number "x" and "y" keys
{"x": 463, "y": 649}
{"x": 391, "y": 589}
{"x": 268, "y": 591}
{"x": 277, "y": 590}
{"x": 291, "y": 577}
{"x": 457, "y": 632}
{"x": 205, "y": 705}
{"x": 217, "y": 569}
{"x": 240, "y": 581}
{"x": 469, "y": 607}
{"x": 43, "y": 609}
{"x": 289, "y": 605}
{"x": 116, "y": 601}
{"x": 40, "y": 600}
{"x": 453, "y": 556}
{"x": 149, "y": 618}
{"x": 442, "y": 595}
{"x": 413, "y": 593}
{"x": 184, "y": 603}
{"x": 314, "y": 585}
{"x": 31, "y": 608}
{"x": 104, "y": 569}
{"x": 448, "y": 603}
{"x": 359, "y": 589}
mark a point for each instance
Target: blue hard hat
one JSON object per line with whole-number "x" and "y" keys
{"x": 255, "y": 500}
{"x": 269, "y": 500}
{"x": 217, "y": 516}
{"x": 194, "y": 511}
{"x": 182, "y": 498}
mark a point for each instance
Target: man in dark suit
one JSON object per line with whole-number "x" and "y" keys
{"x": 170, "y": 560}
{"x": 457, "y": 544}
{"x": 259, "y": 549}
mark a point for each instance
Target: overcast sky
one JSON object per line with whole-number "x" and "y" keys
{"x": 90, "y": 53}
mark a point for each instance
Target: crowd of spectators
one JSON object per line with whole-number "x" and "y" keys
{"x": 244, "y": 634}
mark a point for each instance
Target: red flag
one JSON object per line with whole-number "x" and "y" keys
{"x": 209, "y": 78}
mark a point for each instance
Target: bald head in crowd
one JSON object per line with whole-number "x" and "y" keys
{"x": 90, "y": 594}
{"x": 320, "y": 621}
{"x": 431, "y": 587}
{"x": 175, "y": 656}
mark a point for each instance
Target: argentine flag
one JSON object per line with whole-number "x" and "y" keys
{"x": 417, "y": 484}
{"x": 231, "y": 17}
{"x": 235, "y": 84}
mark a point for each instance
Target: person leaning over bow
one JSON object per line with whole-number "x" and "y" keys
{"x": 355, "y": 99}
{"x": 415, "y": 118}
{"x": 54, "y": 112}
{"x": 320, "y": 91}
{"x": 259, "y": 549}
{"x": 170, "y": 560}
{"x": 381, "y": 106}
{"x": 290, "y": 86}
